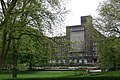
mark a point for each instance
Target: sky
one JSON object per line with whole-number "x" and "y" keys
{"x": 77, "y": 9}
{"x": 80, "y": 8}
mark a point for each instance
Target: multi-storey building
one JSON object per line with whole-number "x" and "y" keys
{"x": 77, "y": 47}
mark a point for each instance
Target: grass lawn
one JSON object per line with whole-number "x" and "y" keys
{"x": 45, "y": 74}
{"x": 59, "y": 74}
{"x": 40, "y": 74}
{"x": 110, "y": 73}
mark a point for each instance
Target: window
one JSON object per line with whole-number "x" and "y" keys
{"x": 75, "y": 60}
{"x": 85, "y": 61}
{"x": 59, "y": 61}
{"x": 80, "y": 60}
{"x": 94, "y": 43}
{"x": 95, "y": 53}
{"x": 94, "y": 48}
{"x": 50, "y": 61}
{"x": 54, "y": 61}
{"x": 77, "y": 28}
{"x": 70, "y": 61}
{"x": 63, "y": 61}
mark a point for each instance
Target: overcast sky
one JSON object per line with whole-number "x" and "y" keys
{"x": 80, "y": 8}
{"x": 77, "y": 9}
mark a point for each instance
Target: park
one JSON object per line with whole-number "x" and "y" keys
{"x": 31, "y": 48}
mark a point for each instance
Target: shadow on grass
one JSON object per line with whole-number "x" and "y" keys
{"x": 74, "y": 78}
{"x": 27, "y": 72}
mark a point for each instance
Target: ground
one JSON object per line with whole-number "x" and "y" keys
{"x": 46, "y": 75}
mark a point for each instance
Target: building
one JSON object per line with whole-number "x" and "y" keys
{"x": 78, "y": 47}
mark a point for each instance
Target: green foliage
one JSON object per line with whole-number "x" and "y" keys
{"x": 109, "y": 55}
{"x": 80, "y": 73}
{"x": 23, "y": 24}
{"x": 22, "y": 67}
{"x": 108, "y": 23}
{"x": 109, "y": 17}
{"x": 32, "y": 18}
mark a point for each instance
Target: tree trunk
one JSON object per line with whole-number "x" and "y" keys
{"x": 114, "y": 58}
{"x": 30, "y": 65}
{"x": 3, "y": 48}
{"x": 0, "y": 62}
{"x": 14, "y": 71}
{"x": 114, "y": 65}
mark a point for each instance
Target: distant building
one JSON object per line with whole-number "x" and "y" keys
{"x": 77, "y": 47}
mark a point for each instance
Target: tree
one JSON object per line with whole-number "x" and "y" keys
{"x": 108, "y": 20}
{"x": 108, "y": 23}
{"x": 18, "y": 16}
{"x": 109, "y": 55}
{"x": 35, "y": 51}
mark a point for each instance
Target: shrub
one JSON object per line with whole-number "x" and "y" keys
{"x": 22, "y": 67}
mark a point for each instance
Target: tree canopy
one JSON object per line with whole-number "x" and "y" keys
{"x": 32, "y": 18}
{"x": 108, "y": 20}
{"x": 109, "y": 54}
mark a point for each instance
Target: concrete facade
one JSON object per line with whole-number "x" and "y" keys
{"x": 77, "y": 46}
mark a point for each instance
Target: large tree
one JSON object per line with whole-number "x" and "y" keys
{"x": 109, "y": 54}
{"x": 109, "y": 17}
{"x": 108, "y": 23}
{"x": 18, "y": 16}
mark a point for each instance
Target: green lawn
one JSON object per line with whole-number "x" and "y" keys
{"x": 40, "y": 74}
{"x": 59, "y": 74}
{"x": 110, "y": 73}
{"x": 45, "y": 74}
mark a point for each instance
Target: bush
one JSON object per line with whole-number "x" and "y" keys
{"x": 80, "y": 73}
{"x": 22, "y": 67}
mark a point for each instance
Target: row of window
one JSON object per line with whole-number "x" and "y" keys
{"x": 94, "y": 43}
{"x": 77, "y": 28}
{"x": 94, "y": 48}
{"x": 71, "y": 61}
